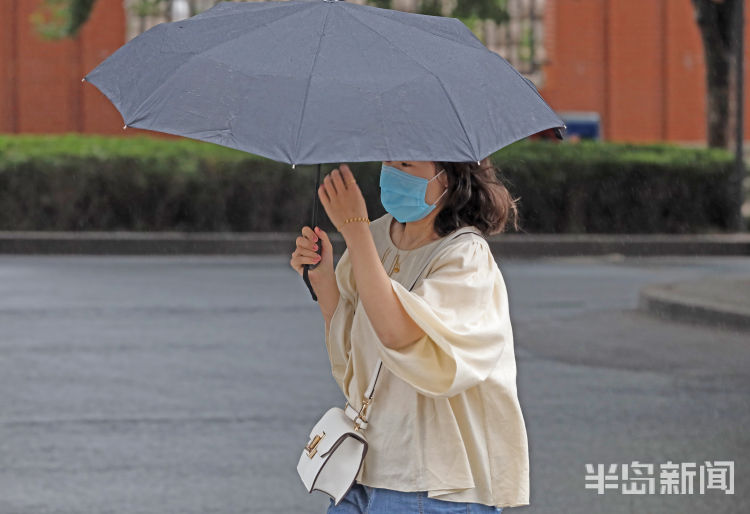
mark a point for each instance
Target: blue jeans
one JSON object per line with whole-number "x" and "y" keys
{"x": 363, "y": 499}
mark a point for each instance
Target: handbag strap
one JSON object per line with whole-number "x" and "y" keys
{"x": 378, "y": 366}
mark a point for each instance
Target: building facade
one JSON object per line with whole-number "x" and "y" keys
{"x": 637, "y": 63}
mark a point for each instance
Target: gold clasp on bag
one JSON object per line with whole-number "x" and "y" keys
{"x": 361, "y": 413}
{"x": 311, "y": 450}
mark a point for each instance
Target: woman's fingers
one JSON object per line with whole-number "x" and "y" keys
{"x": 323, "y": 195}
{"x": 347, "y": 176}
{"x": 309, "y": 234}
{"x": 306, "y": 251}
{"x": 302, "y": 257}
{"x": 330, "y": 185}
{"x": 338, "y": 180}
{"x": 303, "y": 242}
{"x": 307, "y": 254}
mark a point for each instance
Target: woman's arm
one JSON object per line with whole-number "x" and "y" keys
{"x": 391, "y": 322}
{"x": 342, "y": 200}
{"x": 328, "y": 301}
{"x": 323, "y": 276}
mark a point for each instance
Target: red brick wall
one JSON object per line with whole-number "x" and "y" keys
{"x": 638, "y": 63}
{"x": 40, "y": 81}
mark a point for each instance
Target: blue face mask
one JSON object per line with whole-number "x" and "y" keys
{"x": 402, "y": 194}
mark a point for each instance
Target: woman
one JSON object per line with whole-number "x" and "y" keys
{"x": 445, "y": 429}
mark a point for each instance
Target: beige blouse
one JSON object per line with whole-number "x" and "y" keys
{"x": 445, "y": 416}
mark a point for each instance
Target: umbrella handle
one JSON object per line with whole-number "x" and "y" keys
{"x": 320, "y": 246}
{"x": 305, "y": 277}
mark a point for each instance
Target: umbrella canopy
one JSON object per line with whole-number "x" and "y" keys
{"x": 311, "y": 81}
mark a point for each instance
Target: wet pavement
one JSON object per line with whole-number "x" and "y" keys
{"x": 137, "y": 384}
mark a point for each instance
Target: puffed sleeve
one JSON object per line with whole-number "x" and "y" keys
{"x": 338, "y": 335}
{"x": 462, "y": 306}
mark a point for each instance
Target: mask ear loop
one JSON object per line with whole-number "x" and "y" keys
{"x": 441, "y": 195}
{"x": 445, "y": 191}
{"x": 436, "y": 175}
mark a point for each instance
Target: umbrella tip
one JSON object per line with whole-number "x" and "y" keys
{"x": 83, "y": 79}
{"x": 124, "y": 127}
{"x": 293, "y": 165}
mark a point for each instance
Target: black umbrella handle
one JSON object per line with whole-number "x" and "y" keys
{"x": 320, "y": 245}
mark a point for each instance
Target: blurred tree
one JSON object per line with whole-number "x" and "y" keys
{"x": 58, "y": 19}
{"x": 383, "y": 4}
{"x": 470, "y": 12}
{"x": 715, "y": 19}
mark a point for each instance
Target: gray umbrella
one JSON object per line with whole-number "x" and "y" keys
{"x": 313, "y": 81}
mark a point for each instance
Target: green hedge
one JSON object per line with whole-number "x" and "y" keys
{"x": 82, "y": 182}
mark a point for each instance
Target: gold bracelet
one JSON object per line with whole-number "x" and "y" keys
{"x": 357, "y": 218}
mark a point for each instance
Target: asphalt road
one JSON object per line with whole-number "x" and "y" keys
{"x": 189, "y": 384}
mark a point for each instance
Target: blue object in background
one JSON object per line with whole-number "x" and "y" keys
{"x": 584, "y": 124}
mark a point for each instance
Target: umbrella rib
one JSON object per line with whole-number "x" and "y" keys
{"x": 450, "y": 100}
{"x": 194, "y": 55}
{"x": 307, "y": 90}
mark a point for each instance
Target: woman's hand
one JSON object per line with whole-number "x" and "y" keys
{"x": 306, "y": 253}
{"x": 323, "y": 277}
{"x": 341, "y": 197}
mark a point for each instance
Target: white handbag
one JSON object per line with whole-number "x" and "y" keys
{"x": 336, "y": 447}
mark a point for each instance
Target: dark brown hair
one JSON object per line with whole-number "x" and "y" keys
{"x": 476, "y": 197}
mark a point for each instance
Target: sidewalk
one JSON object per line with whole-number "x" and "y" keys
{"x": 721, "y": 302}
{"x": 724, "y": 302}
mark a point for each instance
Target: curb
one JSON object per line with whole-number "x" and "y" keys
{"x": 719, "y": 301}
{"x": 264, "y": 243}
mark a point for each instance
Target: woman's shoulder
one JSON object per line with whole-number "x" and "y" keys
{"x": 463, "y": 239}
{"x": 468, "y": 252}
